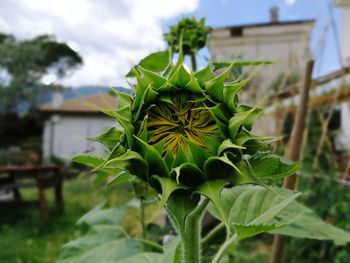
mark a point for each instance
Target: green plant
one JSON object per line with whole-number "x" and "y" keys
{"x": 187, "y": 142}
{"x": 26, "y": 62}
{"x": 189, "y": 35}
{"x": 329, "y": 198}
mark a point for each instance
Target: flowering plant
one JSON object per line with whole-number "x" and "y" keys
{"x": 185, "y": 140}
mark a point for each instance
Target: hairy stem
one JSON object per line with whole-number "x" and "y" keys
{"x": 213, "y": 233}
{"x": 223, "y": 248}
{"x": 142, "y": 218}
{"x": 151, "y": 244}
{"x": 190, "y": 240}
{"x": 190, "y": 234}
{"x": 194, "y": 61}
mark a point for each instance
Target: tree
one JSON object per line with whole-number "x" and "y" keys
{"x": 24, "y": 63}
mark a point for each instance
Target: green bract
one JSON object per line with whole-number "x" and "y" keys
{"x": 182, "y": 129}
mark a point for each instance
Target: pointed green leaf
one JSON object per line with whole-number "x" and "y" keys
{"x": 139, "y": 88}
{"x": 89, "y": 159}
{"x": 196, "y": 154}
{"x": 187, "y": 174}
{"x": 244, "y": 231}
{"x": 230, "y": 93}
{"x": 123, "y": 98}
{"x": 228, "y": 145}
{"x": 166, "y": 97}
{"x": 204, "y": 74}
{"x": 240, "y": 63}
{"x": 269, "y": 166}
{"x": 304, "y": 223}
{"x": 119, "y": 179}
{"x": 141, "y": 129}
{"x": 123, "y": 116}
{"x": 180, "y": 204}
{"x": 143, "y": 190}
{"x": 242, "y": 119}
{"x": 252, "y": 143}
{"x": 245, "y": 174}
{"x": 157, "y": 80}
{"x": 180, "y": 158}
{"x": 219, "y": 167}
{"x": 193, "y": 85}
{"x": 156, "y": 62}
{"x": 147, "y": 97}
{"x": 213, "y": 142}
{"x": 212, "y": 189}
{"x": 168, "y": 186}
{"x": 221, "y": 112}
{"x": 251, "y": 206}
{"x": 215, "y": 86}
{"x": 108, "y": 138}
{"x": 138, "y": 165}
{"x": 155, "y": 161}
{"x": 179, "y": 77}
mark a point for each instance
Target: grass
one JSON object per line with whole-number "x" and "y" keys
{"x": 27, "y": 237}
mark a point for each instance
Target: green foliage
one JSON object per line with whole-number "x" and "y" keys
{"x": 188, "y": 33}
{"x": 188, "y": 141}
{"x": 103, "y": 239}
{"x": 276, "y": 210}
{"x": 26, "y": 62}
{"x": 25, "y": 236}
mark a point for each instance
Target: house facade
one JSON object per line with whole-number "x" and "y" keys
{"x": 68, "y": 124}
{"x": 286, "y": 43}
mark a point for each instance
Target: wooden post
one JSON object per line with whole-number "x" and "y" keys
{"x": 15, "y": 189}
{"x": 58, "y": 189}
{"x": 294, "y": 150}
{"x": 41, "y": 194}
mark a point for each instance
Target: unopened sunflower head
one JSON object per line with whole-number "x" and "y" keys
{"x": 182, "y": 129}
{"x": 184, "y": 126}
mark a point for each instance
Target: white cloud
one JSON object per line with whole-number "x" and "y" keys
{"x": 290, "y": 2}
{"x": 111, "y": 35}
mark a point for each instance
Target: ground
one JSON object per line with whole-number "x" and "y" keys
{"x": 26, "y": 237}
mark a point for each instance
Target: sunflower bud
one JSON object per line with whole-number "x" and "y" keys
{"x": 182, "y": 129}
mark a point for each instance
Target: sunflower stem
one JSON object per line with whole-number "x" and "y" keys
{"x": 194, "y": 61}
{"x": 142, "y": 218}
{"x": 190, "y": 240}
{"x": 190, "y": 234}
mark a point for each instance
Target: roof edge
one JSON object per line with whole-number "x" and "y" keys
{"x": 266, "y": 24}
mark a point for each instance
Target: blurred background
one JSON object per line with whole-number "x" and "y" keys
{"x": 60, "y": 59}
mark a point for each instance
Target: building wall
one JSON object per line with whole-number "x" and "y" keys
{"x": 345, "y": 31}
{"x": 65, "y": 135}
{"x": 343, "y": 138}
{"x": 286, "y": 45}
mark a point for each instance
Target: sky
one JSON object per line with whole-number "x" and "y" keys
{"x": 113, "y": 35}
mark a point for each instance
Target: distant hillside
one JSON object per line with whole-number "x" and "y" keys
{"x": 73, "y": 93}
{"x": 69, "y": 93}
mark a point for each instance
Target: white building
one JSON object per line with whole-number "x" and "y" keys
{"x": 286, "y": 43}
{"x": 69, "y": 123}
{"x": 344, "y": 5}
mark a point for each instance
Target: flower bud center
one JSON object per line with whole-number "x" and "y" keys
{"x": 177, "y": 122}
